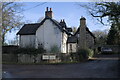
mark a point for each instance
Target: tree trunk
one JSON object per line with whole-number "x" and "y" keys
{"x": 3, "y": 39}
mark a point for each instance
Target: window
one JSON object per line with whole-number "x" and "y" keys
{"x": 78, "y": 35}
{"x": 70, "y": 47}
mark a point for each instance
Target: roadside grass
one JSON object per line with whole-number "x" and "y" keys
{"x": 41, "y": 63}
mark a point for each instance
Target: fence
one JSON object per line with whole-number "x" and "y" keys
{"x": 9, "y": 49}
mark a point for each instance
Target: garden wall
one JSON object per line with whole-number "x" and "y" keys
{"x": 25, "y": 58}
{"x": 8, "y": 56}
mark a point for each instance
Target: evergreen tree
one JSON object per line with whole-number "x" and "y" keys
{"x": 113, "y": 36}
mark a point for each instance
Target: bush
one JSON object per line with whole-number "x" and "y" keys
{"x": 54, "y": 49}
{"x": 84, "y": 54}
{"x": 73, "y": 56}
{"x": 29, "y": 51}
{"x": 91, "y": 53}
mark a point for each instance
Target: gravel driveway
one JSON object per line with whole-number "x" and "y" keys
{"x": 96, "y": 68}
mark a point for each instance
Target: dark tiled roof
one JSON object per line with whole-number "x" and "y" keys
{"x": 86, "y": 30}
{"x": 30, "y": 29}
{"x": 90, "y": 32}
{"x": 57, "y": 24}
{"x": 72, "y": 39}
{"x": 63, "y": 24}
{"x": 60, "y": 27}
{"x": 69, "y": 29}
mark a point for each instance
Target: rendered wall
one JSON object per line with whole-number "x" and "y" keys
{"x": 27, "y": 41}
{"x": 48, "y": 35}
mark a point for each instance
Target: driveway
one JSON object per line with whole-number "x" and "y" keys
{"x": 98, "y": 67}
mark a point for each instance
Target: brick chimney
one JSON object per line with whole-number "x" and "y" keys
{"x": 63, "y": 24}
{"x": 82, "y": 34}
{"x": 82, "y": 21}
{"x": 48, "y": 13}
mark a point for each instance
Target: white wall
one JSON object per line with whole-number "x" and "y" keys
{"x": 63, "y": 43}
{"x": 73, "y": 46}
{"x": 27, "y": 40}
{"x": 48, "y": 35}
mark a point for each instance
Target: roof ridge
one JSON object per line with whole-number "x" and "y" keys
{"x": 87, "y": 29}
{"x": 32, "y": 23}
{"x": 37, "y": 25}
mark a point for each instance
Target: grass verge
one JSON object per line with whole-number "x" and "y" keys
{"x": 41, "y": 63}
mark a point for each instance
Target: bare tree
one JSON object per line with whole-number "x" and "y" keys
{"x": 11, "y": 18}
{"x": 74, "y": 30}
{"x": 0, "y": 23}
{"x": 104, "y": 9}
{"x": 101, "y": 36}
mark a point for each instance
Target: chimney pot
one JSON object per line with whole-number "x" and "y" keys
{"x": 47, "y": 9}
{"x": 50, "y": 9}
{"x": 83, "y": 21}
{"x": 82, "y": 18}
{"x": 48, "y": 13}
{"x": 63, "y": 20}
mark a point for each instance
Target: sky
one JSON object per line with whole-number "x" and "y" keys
{"x": 71, "y": 12}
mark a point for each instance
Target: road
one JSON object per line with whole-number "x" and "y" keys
{"x": 98, "y": 67}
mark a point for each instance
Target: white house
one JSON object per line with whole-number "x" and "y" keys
{"x": 48, "y": 33}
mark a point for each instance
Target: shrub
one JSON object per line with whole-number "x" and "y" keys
{"x": 84, "y": 54}
{"x": 91, "y": 53}
{"x": 29, "y": 51}
{"x": 54, "y": 49}
{"x": 73, "y": 56}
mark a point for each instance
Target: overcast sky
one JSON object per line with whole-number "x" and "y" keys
{"x": 70, "y": 11}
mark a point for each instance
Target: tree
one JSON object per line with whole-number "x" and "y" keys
{"x": 113, "y": 37}
{"x": 11, "y": 18}
{"x": 105, "y": 9}
{"x": 111, "y": 11}
{"x": 74, "y": 30}
{"x": 101, "y": 37}
{"x": 0, "y": 23}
